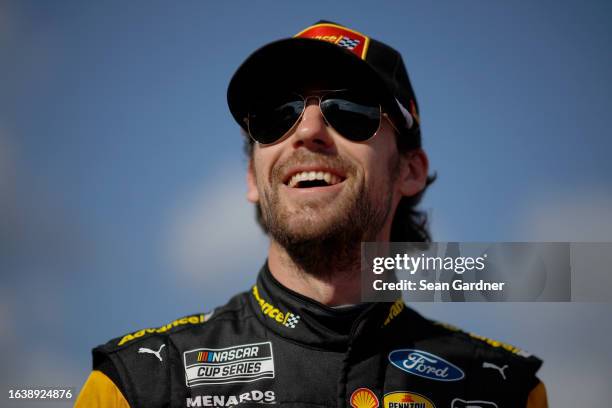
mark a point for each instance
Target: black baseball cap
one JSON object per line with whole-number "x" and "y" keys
{"x": 327, "y": 52}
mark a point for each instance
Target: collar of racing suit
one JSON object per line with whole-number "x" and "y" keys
{"x": 303, "y": 320}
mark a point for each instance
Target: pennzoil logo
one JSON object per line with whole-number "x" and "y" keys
{"x": 352, "y": 40}
{"x": 364, "y": 398}
{"x": 406, "y": 399}
{"x": 195, "y": 319}
{"x": 287, "y": 319}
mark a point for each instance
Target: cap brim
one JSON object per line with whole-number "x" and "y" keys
{"x": 298, "y": 62}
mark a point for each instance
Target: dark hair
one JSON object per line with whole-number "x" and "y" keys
{"x": 409, "y": 223}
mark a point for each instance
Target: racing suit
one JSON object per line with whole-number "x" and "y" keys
{"x": 272, "y": 345}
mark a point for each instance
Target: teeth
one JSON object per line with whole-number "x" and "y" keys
{"x": 329, "y": 178}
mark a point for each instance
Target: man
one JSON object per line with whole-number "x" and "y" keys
{"x": 334, "y": 160}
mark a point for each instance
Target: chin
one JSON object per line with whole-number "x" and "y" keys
{"x": 308, "y": 230}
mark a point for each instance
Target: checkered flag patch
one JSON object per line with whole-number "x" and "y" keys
{"x": 348, "y": 43}
{"x": 292, "y": 321}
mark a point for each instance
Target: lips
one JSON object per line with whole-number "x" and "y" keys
{"x": 308, "y": 178}
{"x": 305, "y": 179}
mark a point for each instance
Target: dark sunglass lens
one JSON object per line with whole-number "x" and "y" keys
{"x": 355, "y": 117}
{"x": 271, "y": 119}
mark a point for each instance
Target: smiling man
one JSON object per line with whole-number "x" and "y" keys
{"x": 335, "y": 159}
{"x": 322, "y": 194}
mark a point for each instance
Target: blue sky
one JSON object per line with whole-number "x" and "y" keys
{"x": 122, "y": 177}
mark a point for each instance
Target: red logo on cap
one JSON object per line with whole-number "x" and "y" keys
{"x": 353, "y": 41}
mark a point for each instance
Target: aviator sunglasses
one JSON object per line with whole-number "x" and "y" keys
{"x": 353, "y": 115}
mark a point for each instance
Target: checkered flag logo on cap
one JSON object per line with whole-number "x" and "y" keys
{"x": 292, "y": 321}
{"x": 348, "y": 43}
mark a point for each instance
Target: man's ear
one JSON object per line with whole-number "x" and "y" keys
{"x": 414, "y": 169}
{"x": 252, "y": 191}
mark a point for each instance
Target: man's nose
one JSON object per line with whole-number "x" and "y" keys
{"x": 312, "y": 131}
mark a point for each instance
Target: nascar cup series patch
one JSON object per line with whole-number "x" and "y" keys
{"x": 351, "y": 40}
{"x": 426, "y": 365}
{"x": 243, "y": 363}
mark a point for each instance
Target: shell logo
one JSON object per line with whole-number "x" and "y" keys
{"x": 363, "y": 398}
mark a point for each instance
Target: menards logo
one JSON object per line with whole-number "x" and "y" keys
{"x": 195, "y": 319}
{"x": 287, "y": 319}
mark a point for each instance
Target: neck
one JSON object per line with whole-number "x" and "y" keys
{"x": 333, "y": 281}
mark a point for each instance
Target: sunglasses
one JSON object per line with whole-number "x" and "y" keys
{"x": 353, "y": 115}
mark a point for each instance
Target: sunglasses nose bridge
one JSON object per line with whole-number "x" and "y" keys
{"x": 311, "y": 100}
{"x": 312, "y": 128}
{"x": 313, "y": 103}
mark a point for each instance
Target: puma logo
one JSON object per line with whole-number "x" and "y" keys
{"x": 157, "y": 353}
{"x": 493, "y": 366}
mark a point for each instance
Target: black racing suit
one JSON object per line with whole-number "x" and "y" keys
{"x": 272, "y": 345}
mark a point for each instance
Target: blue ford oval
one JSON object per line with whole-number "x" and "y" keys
{"x": 425, "y": 365}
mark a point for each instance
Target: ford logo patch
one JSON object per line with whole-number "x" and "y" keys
{"x": 425, "y": 365}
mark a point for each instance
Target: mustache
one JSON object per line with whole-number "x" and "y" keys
{"x": 304, "y": 157}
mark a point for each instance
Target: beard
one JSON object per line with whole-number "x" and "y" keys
{"x": 323, "y": 237}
